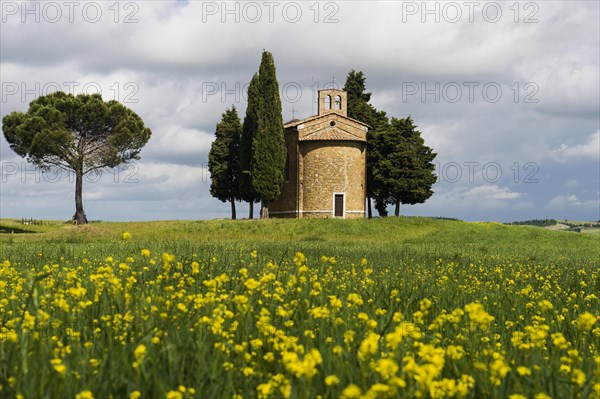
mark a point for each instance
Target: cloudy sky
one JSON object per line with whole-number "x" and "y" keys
{"x": 507, "y": 94}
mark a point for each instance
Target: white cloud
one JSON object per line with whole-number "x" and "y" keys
{"x": 171, "y": 53}
{"x": 491, "y": 192}
{"x": 179, "y": 145}
{"x": 465, "y": 198}
{"x": 562, "y": 202}
{"x": 589, "y": 150}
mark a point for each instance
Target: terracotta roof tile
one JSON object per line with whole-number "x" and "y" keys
{"x": 296, "y": 122}
{"x": 331, "y": 134}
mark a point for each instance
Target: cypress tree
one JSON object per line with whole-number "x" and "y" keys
{"x": 224, "y": 159}
{"x": 360, "y": 109}
{"x": 268, "y": 146}
{"x": 248, "y": 132}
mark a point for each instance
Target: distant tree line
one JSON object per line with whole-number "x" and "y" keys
{"x": 247, "y": 160}
{"x": 573, "y": 226}
{"x": 537, "y": 222}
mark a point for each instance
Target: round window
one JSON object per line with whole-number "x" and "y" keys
{"x": 332, "y": 123}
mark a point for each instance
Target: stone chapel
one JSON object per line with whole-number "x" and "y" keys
{"x": 325, "y": 172}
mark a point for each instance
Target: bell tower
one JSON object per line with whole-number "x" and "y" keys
{"x": 333, "y": 100}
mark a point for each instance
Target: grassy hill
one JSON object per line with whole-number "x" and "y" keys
{"x": 388, "y": 238}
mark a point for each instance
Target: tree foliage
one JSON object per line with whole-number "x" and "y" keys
{"x": 360, "y": 109}
{"x": 404, "y": 169}
{"x": 79, "y": 134}
{"x": 268, "y": 146}
{"x": 249, "y": 130}
{"x": 399, "y": 164}
{"x": 224, "y": 159}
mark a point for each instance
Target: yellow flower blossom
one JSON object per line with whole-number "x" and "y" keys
{"x": 368, "y": 346}
{"x": 174, "y": 395}
{"x": 351, "y": 392}
{"x": 585, "y": 321}
{"x": 84, "y": 395}
{"x": 58, "y": 366}
{"x": 478, "y": 316}
{"x": 387, "y": 368}
{"x": 331, "y": 380}
{"x": 139, "y": 353}
{"x": 545, "y": 305}
{"x": 302, "y": 367}
{"x": 578, "y": 377}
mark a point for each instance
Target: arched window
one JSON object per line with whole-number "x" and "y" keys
{"x": 327, "y": 102}
{"x": 338, "y": 102}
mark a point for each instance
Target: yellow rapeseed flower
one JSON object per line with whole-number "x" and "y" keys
{"x": 302, "y": 367}
{"x": 559, "y": 341}
{"x": 455, "y": 352}
{"x": 585, "y": 321}
{"x": 478, "y": 316}
{"x": 58, "y": 366}
{"x": 368, "y": 346}
{"x": 174, "y": 395}
{"x": 578, "y": 377}
{"x": 545, "y": 305}
{"x": 331, "y": 380}
{"x": 351, "y": 392}
{"x": 387, "y": 368}
{"x": 498, "y": 370}
{"x": 299, "y": 259}
{"x": 84, "y": 395}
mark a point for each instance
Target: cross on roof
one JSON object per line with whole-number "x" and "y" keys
{"x": 330, "y": 84}
{"x": 293, "y": 113}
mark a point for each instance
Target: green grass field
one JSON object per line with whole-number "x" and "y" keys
{"x": 395, "y": 307}
{"x": 383, "y": 238}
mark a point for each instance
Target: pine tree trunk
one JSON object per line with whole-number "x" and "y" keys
{"x": 264, "y": 211}
{"x": 79, "y": 217}
{"x": 251, "y": 210}
{"x": 369, "y": 211}
{"x": 381, "y": 208}
{"x": 397, "y": 211}
{"x": 233, "y": 216}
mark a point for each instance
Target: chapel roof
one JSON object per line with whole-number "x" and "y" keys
{"x": 331, "y": 133}
{"x": 296, "y": 122}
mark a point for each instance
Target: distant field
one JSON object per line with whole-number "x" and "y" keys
{"x": 384, "y": 308}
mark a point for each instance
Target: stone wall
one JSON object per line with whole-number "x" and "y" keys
{"x": 328, "y": 167}
{"x": 345, "y": 124}
{"x": 332, "y": 105}
{"x": 326, "y": 156}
